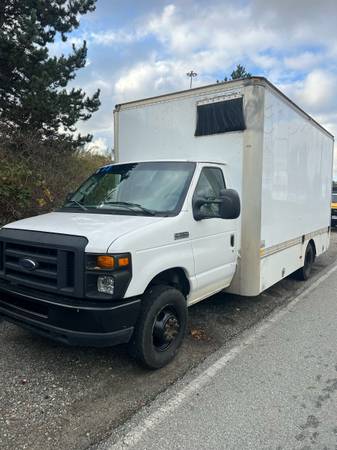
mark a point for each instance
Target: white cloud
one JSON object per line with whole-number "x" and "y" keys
{"x": 98, "y": 146}
{"x": 266, "y": 62}
{"x": 178, "y": 35}
{"x": 151, "y": 77}
{"x": 112, "y": 37}
{"x": 316, "y": 92}
{"x": 211, "y": 40}
{"x": 203, "y": 27}
{"x": 202, "y": 40}
{"x": 306, "y": 21}
{"x": 294, "y": 44}
{"x": 98, "y": 83}
{"x": 319, "y": 91}
{"x": 303, "y": 61}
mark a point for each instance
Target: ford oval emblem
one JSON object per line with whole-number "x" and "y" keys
{"x": 28, "y": 264}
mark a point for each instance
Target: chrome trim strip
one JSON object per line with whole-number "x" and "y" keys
{"x": 264, "y": 252}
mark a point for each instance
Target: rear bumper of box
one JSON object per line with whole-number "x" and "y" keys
{"x": 69, "y": 321}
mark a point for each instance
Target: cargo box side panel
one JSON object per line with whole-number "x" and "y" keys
{"x": 165, "y": 130}
{"x": 296, "y": 188}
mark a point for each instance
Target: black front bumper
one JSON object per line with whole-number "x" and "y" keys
{"x": 68, "y": 320}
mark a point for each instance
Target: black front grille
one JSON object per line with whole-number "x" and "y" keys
{"x": 47, "y": 260}
{"x": 55, "y": 264}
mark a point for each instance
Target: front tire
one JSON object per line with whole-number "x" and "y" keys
{"x": 161, "y": 327}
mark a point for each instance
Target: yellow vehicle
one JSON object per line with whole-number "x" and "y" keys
{"x": 334, "y": 209}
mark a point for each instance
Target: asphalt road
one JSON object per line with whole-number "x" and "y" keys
{"x": 53, "y": 396}
{"x": 274, "y": 389}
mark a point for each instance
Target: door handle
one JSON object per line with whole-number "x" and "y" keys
{"x": 232, "y": 240}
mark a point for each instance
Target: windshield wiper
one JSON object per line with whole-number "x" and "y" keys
{"x": 130, "y": 206}
{"x": 78, "y": 204}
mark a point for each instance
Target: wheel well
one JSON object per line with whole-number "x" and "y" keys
{"x": 175, "y": 277}
{"x": 312, "y": 242}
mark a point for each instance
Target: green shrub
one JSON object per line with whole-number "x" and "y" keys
{"x": 37, "y": 178}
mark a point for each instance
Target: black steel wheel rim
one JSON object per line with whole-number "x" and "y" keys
{"x": 165, "y": 329}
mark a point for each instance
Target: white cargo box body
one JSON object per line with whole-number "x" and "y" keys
{"x": 281, "y": 165}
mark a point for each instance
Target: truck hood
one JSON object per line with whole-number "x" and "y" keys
{"x": 101, "y": 230}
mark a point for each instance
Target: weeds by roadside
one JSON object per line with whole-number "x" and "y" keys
{"x": 36, "y": 176}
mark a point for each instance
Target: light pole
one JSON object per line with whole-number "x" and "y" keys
{"x": 191, "y": 75}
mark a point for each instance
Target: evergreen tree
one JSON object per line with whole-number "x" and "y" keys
{"x": 33, "y": 94}
{"x": 239, "y": 72}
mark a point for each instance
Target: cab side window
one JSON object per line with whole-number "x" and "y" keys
{"x": 209, "y": 186}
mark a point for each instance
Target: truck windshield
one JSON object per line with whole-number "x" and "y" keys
{"x": 148, "y": 188}
{"x": 334, "y": 198}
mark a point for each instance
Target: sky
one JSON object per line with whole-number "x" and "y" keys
{"x": 138, "y": 49}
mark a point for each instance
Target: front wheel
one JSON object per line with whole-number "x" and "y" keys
{"x": 304, "y": 272}
{"x": 160, "y": 328}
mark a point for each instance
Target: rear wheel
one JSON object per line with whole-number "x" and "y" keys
{"x": 304, "y": 272}
{"x": 160, "y": 328}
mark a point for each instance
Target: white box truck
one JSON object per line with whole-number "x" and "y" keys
{"x": 222, "y": 187}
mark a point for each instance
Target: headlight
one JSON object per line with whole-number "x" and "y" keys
{"x": 106, "y": 284}
{"x": 107, "y": 276}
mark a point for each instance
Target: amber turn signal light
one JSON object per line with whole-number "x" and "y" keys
{"x": 105, "y": 262}
{"x": 124, "y": 261}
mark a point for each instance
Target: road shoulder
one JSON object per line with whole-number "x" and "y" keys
{"x": 173, "y": 406}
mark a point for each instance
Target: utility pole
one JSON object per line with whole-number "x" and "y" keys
{"x": 191, "y": 75}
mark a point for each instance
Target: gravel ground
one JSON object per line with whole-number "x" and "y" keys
{"x": 58, "y": 397}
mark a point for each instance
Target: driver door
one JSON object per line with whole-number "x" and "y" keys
{"x": 214, "y": 240}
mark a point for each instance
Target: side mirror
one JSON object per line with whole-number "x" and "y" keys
{"x": 230, "y": 205}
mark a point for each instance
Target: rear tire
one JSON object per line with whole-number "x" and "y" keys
{"x": 161, "y": 327}
{"x": 304, "y": 272}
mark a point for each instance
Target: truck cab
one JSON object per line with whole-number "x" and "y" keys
{"x": 123, "y": 258}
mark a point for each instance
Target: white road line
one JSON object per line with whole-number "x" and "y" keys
{"x": 136, "y": 434}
